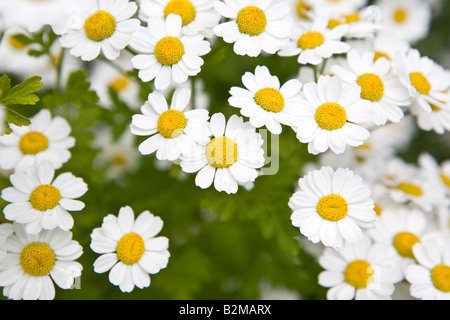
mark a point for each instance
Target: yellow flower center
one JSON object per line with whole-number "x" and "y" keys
{"x": 400, "y": 15}
{"x": 99, "y": 26}
{"x": 171, "y": 123}
{"x": 130, "y": 248}
{"x": 378, "y": 210}
{"x": 270, "y": 99}
{"x": 33, "y": 142}
{"x": 302, "y": 9}
{"x": 446, "y": 180}
{"x": 332, "y": 207}
{"x": 333, "y": 23}
{"x": 403, "y": 243}
{"x": 45, "y": 197}
{"x": 169, "y": 50}
{"x": 358, "y": 274}
{"x": 184, "y": 8}
{"x": 37, "y": 259}
{"x": 16, "y": 44}
{"x": 440, "y": 275}
{"x": 251, "y": 20}
{"x": 331, "y": 116}
{"x": 372, "y": 87}
{"x": 352, "y": 17}
{"x": 118, "y": 160}
{"x": 419, "y": 82}
{"x": 379, "y": 54}
{"x": 120, "y": 83}
{"x": 410, "y": 189}
{"x": 310, "y": 40}
{"x": 221, "y": 152}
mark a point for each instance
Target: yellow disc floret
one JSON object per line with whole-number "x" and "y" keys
{"x": 331, "y": 116}
{"x": 332, "y": 207}
{"x": 310, "y": 40}
{"x": 169, "y": 50}
{"x": 171, "y": 123}
{"x": 37, "y": 259}
{"x": 420, "y": 82}
{"x": 33, "y": 142}
{"x": 270, "y": 99}
{"x": 130, "y": 248}
{"x": 99, "y": 26}
{"x": 380, "y": 54}
{"x": 45, "y": 197}
{"x": 403, "y": 243}
{"x": 302, "y": 9}
{"x": 120, "y": 83}
{"x": 184, "y": 8}
{"x": 372, "y": 87}
{"x": 440, "y": 275}
{"x": 410, "y": 189}
{"x": 400, "y": 15}
{"x": 358, "y": 274}
{"x": 251, "y": 20}
{"x": 221, "y": 152}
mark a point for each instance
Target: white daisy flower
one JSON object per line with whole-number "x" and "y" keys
{"x": 165, "y": 53}
{"x": 40, "y": 201}
{"x": 314, "y": 42}
{"x": 332, "y": 207}
{"x": 330, "y": 116}
{"x": 264, "y": 100}
{"x": 46, "y": 138}
{"x": 388, "y": 46}
{"x": 361, "y": 23}
{"x": 438, "y": 172}
{"x": 198, "y": 16}
{"x": 430, "y": 277}
{"x": 254, "y": 26}
{"x": 34, "y": 263}
{"x": 301, "y": 10}
{"x": 327, "y": 7}
{"x": 173, "y": 130}
{"x": 361, "y": 271}
{"x": 6, "y": 229}
{"x": 438, "y": 120}
{"x": 230, "y": 158}
{"x": 426, "y": 80}
{"x": 129, "y": 248}
{"x": 379, "y": 85}
{"x": 102, "y": 26}
{"x": 405, "y": 19}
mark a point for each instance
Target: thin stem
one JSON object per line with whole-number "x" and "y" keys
{"x": 316, "y": 77}
{"x": 59, "y": 70}
{"x": 322, "y": 69}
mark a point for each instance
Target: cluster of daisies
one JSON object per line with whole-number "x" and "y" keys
{"x": 380, "y": 220}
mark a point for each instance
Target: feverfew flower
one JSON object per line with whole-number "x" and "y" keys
{"x": 6, "y": 229}
{"x": 40, "y": 202}
{"x": 34, "y": 262}
{"x": 314, "y": 42}
{"x": 46, "y": 138}
{"x": 438, "y": 120}
{"x": 330, "y": 116}
{"x": 102, "y": 26}
{"x": 430, "y": 277}
{"x": 337, "y": 7}
{"x": 165, "y": 53}
{"x": 332, "y": 207}
{"x": 173, "y": 130}
{"x": 254, "y": 26}
{"x": 361, "y": 271}
{"x": 129, "y": 248}
{"x": 379, "y": 85}
{"x": 264, "y": 100}
{"x": 426, "y": 80}
{"x": 198, "y": 16}
{"x": 231, "y": 158}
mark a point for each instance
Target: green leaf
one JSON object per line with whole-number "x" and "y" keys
{"x": 16, "y": 118}
{"x": 78, "y": 89}
{"x": 23, "y": 93}
{"x": 5, "y": 83}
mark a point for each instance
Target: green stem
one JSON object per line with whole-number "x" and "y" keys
{"x": 59, "y": 71}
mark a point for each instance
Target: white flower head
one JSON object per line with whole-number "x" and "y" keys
{"x": 427, "y": 81}
{"x": 337, "y": 7}
{"x": 130, "y": 248}
{"x": 165, "y": 53}
{"x": 40, "y": 201}
{"x": 6, "y": 229}
{"x": 231, "y": 158}
{"x": 313, "y": 42}
{"x": 173, "y": 130}
{"x": 102, "y": 26}
{"x": 198, "y": 16}
{"x": 34, "y": 263}
{"x": 332, "y": 207}
{"x": 264, "y": 100}
{"x": 379, "y": 85}
{"x": 46, "y": 138}
{"x": 254, "y": 26}
{"x": 331, "y": 116}
{"x": 430, "y": 276}
{"x": 362, "y": 271}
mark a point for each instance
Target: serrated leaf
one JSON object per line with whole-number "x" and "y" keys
{"x": 23, "y": 93}
{"x": 5, "y": 83}
{"x": 78, "y": 89}
{"x": 16, "y": 118}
